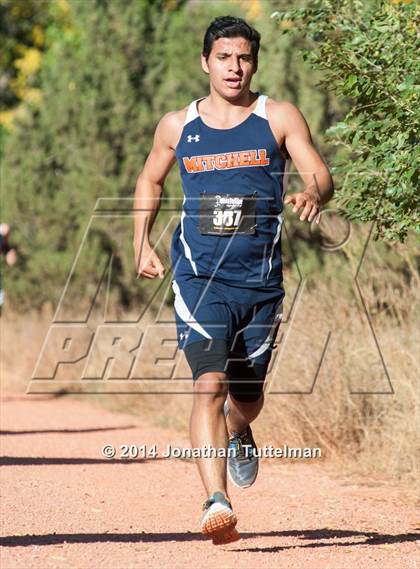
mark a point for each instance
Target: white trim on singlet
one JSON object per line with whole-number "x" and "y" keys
{"x": 279, "y": 217}
{"x": 192, "y": 112}
{"x": 184, "y": 312}
{"x": 187, "y": 249}
{"x": 276, "y": 238}
{"x": 260, "y": 108}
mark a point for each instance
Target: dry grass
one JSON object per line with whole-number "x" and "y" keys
{"x": 362, "y": 408}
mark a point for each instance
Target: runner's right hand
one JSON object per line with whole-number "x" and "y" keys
{"x": 148, "y": 263}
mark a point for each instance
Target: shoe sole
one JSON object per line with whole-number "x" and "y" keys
{"x": 226, "y": 537}
{"x": 219, "y": 524}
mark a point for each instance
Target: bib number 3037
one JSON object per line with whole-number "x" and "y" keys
{"x": 225, "y": 214}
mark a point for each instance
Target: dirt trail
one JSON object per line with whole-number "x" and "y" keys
{"x": 65, "y": 505}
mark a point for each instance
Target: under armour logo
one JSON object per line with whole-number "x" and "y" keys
{"x": 183, "y": 335}
{"x": 195, "y": 138}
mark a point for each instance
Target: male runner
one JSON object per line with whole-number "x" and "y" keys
{"x": 232, "y": 148}
{"x": 9, "y": 255}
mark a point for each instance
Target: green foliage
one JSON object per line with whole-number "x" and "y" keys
{"x": 368, "y": 53}
{"x": 106, "y": 81}
{"x": 283, "y": 75}
{"x": 21, "y": 28}
{"x": 86, "y": 140}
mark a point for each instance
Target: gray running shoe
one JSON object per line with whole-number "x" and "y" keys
{"x": 242, "y": 456}
{"x": 218, "y": 520}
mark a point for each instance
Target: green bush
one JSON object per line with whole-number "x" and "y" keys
{"x": 368, "y": 54}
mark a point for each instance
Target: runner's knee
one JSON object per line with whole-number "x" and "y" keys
{"x": 211, "y": 387}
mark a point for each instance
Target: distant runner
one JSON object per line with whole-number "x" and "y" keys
{"x": 233, "y": 148}
{"x": 9, "y": 255}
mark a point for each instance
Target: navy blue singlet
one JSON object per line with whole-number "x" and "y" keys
{"x": 243, "y": 160}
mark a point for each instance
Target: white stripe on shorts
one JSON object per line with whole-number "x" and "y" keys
{"x": 266, "y": 344}
{"x": 184, "y": 312}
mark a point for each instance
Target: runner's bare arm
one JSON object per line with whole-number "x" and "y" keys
{"x": 149, "y": 188}
{"x": 292, "y": 129}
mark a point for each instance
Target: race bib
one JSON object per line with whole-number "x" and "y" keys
{"x": 226, "y": 214}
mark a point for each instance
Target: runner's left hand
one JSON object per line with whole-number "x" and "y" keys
{"x": 309, "y": 201}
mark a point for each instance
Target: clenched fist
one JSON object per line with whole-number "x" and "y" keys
{"x": 148, "y": 263}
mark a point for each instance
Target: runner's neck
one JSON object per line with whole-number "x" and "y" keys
{"x": 219, "y": 113}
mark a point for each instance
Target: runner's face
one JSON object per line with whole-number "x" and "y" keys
{"x": 230, "y": 66}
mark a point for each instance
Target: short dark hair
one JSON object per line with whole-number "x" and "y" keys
{"x": 231, "y": 27}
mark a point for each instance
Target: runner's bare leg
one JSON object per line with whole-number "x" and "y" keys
{"x": 208, "y": 427}
{"x": 241, "y": 413}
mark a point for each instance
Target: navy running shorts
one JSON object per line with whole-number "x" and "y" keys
{"x": 228, "y": 328}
